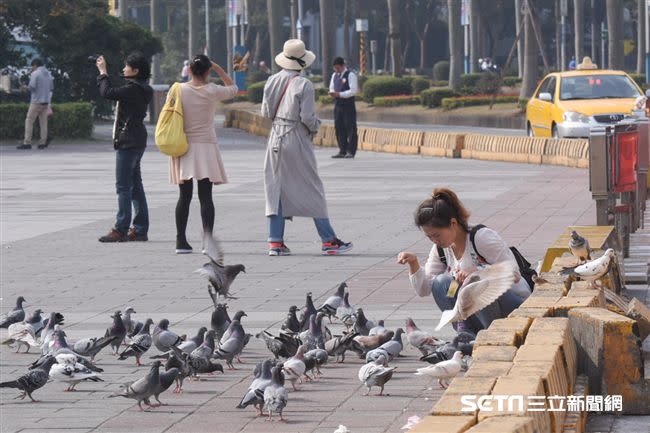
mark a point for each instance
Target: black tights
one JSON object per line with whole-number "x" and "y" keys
{"x": 183, "y": 205}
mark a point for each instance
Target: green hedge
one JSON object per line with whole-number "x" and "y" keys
{"x": 70, "y": 120}
{"x": 432, "y": 98}
{"x": 441, "y": 71}
{"x": 325, "y": 99}
{"x": 396, "y": 101}
{"x": 385, "y": 86}
{"x": 511, "y": 81}
{"x": 315, "y": 78}
{"x": 469, "y": 83}
{"x": 468, "y": 101}
{"x": 256, "y": 92}
{"x": 420, "y": 84}
{"x": 440, "y": 83}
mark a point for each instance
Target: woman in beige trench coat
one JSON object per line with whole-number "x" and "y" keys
{"x": 291, "y": 181}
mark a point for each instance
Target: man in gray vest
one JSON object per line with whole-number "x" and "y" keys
{"x": 40, "y": 87}
{"x": 343, "y": 87}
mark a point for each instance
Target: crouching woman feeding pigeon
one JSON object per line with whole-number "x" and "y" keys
{"x": 453, "y": 257}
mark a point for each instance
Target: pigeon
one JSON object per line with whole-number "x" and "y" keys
{"x": 275, "y": 394}
{"x": 314, "y": 359}
{"x": 60, "y": 346}
{"x": 129, "y": 323}
{"x": 444, "y": 371}
{"x": 379, "y": 329}
{"x": 291, "y": 323}
{"x": 179, "y": 360}
{"x": 593, "y": 270}
{"x": 16, "y": 315}
{"x": 231, "y": 344}
{"x": 362, "y": 325}
{"x": 332, "y": 303}
{"x": 117, "y": 331}
{"x": 48, "y": 332}
{"x": 464, "y": 342}
{"x": 166, "y": 379}
{"x": 345, "y": 312}
{"x": 24, "y": 333}
{"x": 139, "y": 344}
{"x": 277, "y": 346}
{"x": 579, "y": 247}
{"x": 143, "y": 388}
{"x": 220, "y": 320}
{"x": 238, "y": 316}
{"x": 32, "y": 380}
{"x": 92, "y": 346}
{"x": 308, "y": 311}
{"x": 200, "y": 359}
{"x": 340, "y": 344}
{"x": 219, "y": 276}
{"x": 163, "y": 338}
{"x": 366, "y": 343}
{"x": 421, "y": 340}
{"x": 376, "y": 374}
{"x": 479, "y": 290}
{"x": 186, "y": 346}
{"x": 294, "y": 367}
{"x": 68, "y": 370}
{"x": 394, "y": 346}
{"x": 374, "y": 354}
{"x": 313, "y": 337}
{"x": 255, "y": 393}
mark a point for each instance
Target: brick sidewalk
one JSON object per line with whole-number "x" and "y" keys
{"x": 55, "y": 204}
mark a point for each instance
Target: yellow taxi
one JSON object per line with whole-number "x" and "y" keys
{"x": 568, "y": 104}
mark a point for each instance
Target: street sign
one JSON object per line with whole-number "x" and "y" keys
{"x": 362, "y": 25}
{"x": 373, "y": 45}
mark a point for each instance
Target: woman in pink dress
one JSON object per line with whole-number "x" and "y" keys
{"x": 203, "y": 158}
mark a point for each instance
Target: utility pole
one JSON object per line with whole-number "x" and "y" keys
{"x": 520, "y": 41}
{"x": 563, "y": 13}
{"x": 207, "y": 28}
{"x": 292, "y": 9}
{"x": 299, "y": 23}
{"x": 594, "y": 29}
{"x": 603, "y": 45}
{"x": 155, "y": 61}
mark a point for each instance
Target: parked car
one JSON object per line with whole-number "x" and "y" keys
{"x": 568, "y": 104}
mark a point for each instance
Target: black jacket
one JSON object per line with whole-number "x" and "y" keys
{"x": 134, "y": 98}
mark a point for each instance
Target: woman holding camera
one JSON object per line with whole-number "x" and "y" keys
{"x": 129, "y": 141}
{"x": 203, "y": 158}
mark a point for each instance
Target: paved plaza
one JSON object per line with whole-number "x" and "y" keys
{"x": 56, "y": 203}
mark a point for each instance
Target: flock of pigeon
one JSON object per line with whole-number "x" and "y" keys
{"x": 302, "y": 346}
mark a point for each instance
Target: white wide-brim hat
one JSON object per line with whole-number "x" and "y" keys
{"x": 295, "y": 56}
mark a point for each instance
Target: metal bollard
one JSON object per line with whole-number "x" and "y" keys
{"x": 599, "y": 172}
{"x": 642, "y": 166}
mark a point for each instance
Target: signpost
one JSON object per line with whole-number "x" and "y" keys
{"x": 464, "y": 21}
{"x": 373, "y": 51}
{"x": 564, "y": 11}
{"x": 362, "y": 28}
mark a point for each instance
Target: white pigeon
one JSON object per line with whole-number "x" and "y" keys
{"x": 294, "y": 367}
{"x": 21, "y": 334}
{"x": 479, "y": 290}
{"x": 444, "y": 371}
{"x": 593, "y": 270}
{"x": 376, "y": 374}
{"x": 69, "y": 371}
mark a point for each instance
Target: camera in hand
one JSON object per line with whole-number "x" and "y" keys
{"x": 93, "y": 59}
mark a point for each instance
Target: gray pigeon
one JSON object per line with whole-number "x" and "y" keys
{"x": 284, "y": 346}
{"x": 362, "y": 325}
{"x": 166, "y": 380}
{"x": 219, "y": 276}
{"x": 314, "y": 360}
{"x": 220, "y": 320}
{"x": 255, "y": 393}
{"x": 48, "y": 332}
{"x": 59, "y": 346}
{"x": 231, "y": 344}
{"x": 376, "y": 374}
{"x": 92, "y": 346}
{"x": 374, "y": 354}
{"x": 15, "y": 316}
{"x": 200, "y": 358}
{"x": 142, "y": 389}
{"x": 129, "y": 323}
{"x": 180, "y": 361}
{"x": 32, "y": 380}
{"x": 332, "y": 303}
{"x": 579, "y": 247}
{"x": 379, "y": 329}
{"x": 313, "y": 337}
{"x": 139, "y": 344}
{"x": 163, "y": 338}
{"x": 276, "y": 395}
{"x": 345, "y": 312}
{"x": 463, "y": 341}
{"x": 394, "y": 346}
{"x": 291, "y": 323}
{"x": 421, "y": 340}
{"x": 340, "y": 344}
{"x": 186, "y": 346}
{"x": 307, "y": 311}
{"x": 117, "y": 331}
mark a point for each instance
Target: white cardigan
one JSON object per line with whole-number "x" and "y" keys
{"x": 492, "y": 248}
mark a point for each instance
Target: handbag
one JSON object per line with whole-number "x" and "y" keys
{"x": 170, "y": 132}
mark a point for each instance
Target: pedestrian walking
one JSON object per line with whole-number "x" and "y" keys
{"x": 343, "y": 88}
{"x": 185, "y": 72}
{"x": 458, "y": 251}
{"x": 129, "y": 142}
{"x": 291, "y": 182}
{"x": 40, "y": 87}
{"x": 202, "y": 161}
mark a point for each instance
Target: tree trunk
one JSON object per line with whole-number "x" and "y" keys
{"x": 615, "y": 27}
{"x": 346, "y": 31}
{"x": 293, "y": 9}
{"x": 520, "y": 43}
{"x": 194, "y": 23}
{"x": 386, "y": 52}
{"x": 327, "y": 27}
{"x": 558, "y": 36}
{"x": 423, "y": 52}
{"x": 595, "y": 36}
{"x": 531, "y": 51}
{"x": 455, "y": 44}
{"x": 579, "y": 28}
{"x": 275, "y": 29}
{"x": 395, "y": 43}
{"x": 640, "y": 37}
{"x": 155, "y": 30}
{"x": 473, "y": 36}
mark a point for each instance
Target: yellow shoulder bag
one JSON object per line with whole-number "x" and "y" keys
{"x": 170, "y": 135}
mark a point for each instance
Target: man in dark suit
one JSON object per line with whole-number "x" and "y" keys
{"x": 343, "y": 87}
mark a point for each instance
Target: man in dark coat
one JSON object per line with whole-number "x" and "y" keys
{"x": 343, "y": 87}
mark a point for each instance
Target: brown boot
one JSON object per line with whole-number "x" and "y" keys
{"x": 134, "y": 236}
{"x": 114, "y": 236}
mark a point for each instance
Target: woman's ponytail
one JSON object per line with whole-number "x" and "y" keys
{"x": 440, "y": 208}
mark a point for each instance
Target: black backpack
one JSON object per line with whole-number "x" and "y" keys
{"x": 526, "y": 271}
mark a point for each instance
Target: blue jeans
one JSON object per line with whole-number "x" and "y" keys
{"x": 499, "y": 309}
{"x": 128, "y": 184}
{"x": 276, "y": 227}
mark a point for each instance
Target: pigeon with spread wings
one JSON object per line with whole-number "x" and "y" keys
{"x": 479, "y": 290}
{"x": 219, "y": 275}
